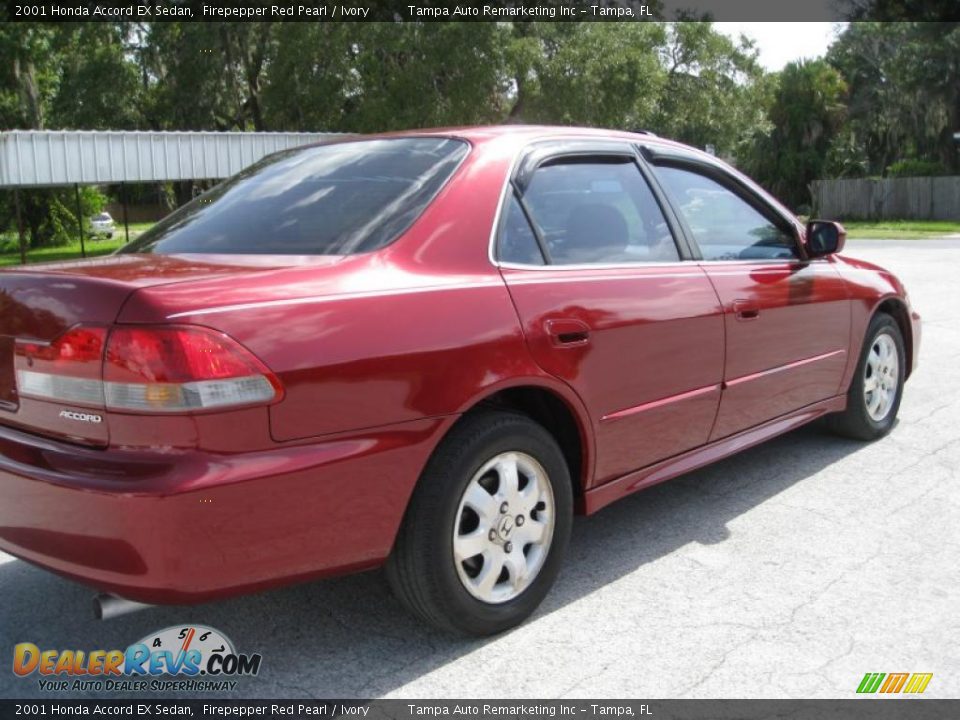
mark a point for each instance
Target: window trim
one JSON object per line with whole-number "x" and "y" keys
{"x": 531, "y": 157}
{"x": 538, "y": 238}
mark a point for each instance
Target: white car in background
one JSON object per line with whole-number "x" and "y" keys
{"x": 102, "y": 224}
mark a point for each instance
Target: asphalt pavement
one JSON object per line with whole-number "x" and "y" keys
{"x": 787, "y": 571}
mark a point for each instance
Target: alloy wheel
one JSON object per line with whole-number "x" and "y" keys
{"x": 881, "y": 377}
{"x": 503, "y": 527}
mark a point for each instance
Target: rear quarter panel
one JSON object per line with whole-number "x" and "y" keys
{"x": 349, "y": 362}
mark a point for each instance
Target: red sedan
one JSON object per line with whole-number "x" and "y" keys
{"x": 425, "y": 350}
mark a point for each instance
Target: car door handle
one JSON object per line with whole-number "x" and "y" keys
{"x": 567, "y": 332}
{"x": 746, "y": 309}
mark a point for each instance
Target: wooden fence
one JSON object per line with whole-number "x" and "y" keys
{"x": 915, "y": 198}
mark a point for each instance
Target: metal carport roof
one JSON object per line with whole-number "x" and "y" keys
{"x": 32, "y": 158}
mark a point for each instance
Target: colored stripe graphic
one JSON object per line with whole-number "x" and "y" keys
{"x": 894, "y": 682}
{"x": 918, "y": 682}
{"x": 870, "y": 682}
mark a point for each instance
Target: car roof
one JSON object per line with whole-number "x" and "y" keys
{"x": 524, "y": 134}
{"x": 479, "y": 134}
{"x": 485, "y": 132}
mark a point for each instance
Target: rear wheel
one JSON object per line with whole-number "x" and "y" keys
{"x": 873, "y": 399}
{"x": 486, "y": 529}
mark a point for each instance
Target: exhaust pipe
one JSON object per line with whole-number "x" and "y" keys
{"x": 107, "y": 606}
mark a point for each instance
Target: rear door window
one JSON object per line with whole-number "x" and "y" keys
{"x": 598, "y": 211}
{"x": 335, "y": 199}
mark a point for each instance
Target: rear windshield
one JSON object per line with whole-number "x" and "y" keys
{"x": 337, "y": 199}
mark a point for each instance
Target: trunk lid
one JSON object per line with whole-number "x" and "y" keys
{"x": 39, "y": 303}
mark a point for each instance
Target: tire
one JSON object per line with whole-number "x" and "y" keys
{"x": 470, "y": 469}
{"x": 871, "y": 414}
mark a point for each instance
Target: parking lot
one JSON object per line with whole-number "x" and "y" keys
{"x": 787, "y": 571}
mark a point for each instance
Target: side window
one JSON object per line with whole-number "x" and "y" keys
{"x": 598, "y": 211}
{"x": 518, "y": 244}
{"x": 725, "y": 226}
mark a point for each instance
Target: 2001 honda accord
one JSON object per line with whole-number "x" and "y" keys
{"x": 425, "y": 350}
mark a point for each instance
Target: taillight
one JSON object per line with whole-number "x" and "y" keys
{"x": 68, "y": 369}
{"x": 182, "y": 368}
{"x": 163, "y": 370}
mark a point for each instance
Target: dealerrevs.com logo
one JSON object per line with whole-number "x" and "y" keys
{"x": 201, "y": 657}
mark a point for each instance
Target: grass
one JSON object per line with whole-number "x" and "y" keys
{"x": 64, "y": 252}
{"x": 94, "y": 248}
{"x": 901, "y": 229}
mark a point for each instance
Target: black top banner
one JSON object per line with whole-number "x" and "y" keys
{"x": 418, "y": 11}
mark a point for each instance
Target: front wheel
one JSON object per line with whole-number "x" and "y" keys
{"x": 877, "y": 386}
{"x": 486, "y": 529}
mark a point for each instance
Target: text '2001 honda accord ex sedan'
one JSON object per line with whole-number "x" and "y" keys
{"x": 425, "y": 350}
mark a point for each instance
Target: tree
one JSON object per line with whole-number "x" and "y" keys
{"x": 806, "y": 113}
{"x": 905, "y": 91}
{"x": 97, "y": 86}
{"x": 29, "y": 66}
{"x": 710, "y": 94}
{"x": 368, "y": 77}
{"x": 311, "y": 81}
{"x": 601, "y": 74}
{"x": 426, "y": 75}
{"x": 203, "y": 76}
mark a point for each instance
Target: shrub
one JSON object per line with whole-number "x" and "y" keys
{"x": 914, "y": 167}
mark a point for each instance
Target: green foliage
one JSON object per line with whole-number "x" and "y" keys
{"x": 846, "y": 156}
{"x": 681, "y": 78}
{"x": 904, "y": 101}
{"x": 912, "y": 167}
{"x": 58, "y": 225}
{"x": 601, "y": 74}
{"x": 29, "y": 66}
{"x": 202, "y": 76}
{"x": 312, "y": 83}
{"x": 50, "y": 215}
{"x": 98, "y": 85}
{"x": 9, "y": 244}
{"x": 806, "y": 114}
{"x": 714, "y": 90}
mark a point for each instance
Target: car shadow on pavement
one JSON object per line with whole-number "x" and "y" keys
{"x": 348, "y": 637}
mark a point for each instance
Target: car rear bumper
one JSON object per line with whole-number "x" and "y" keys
{"x": 175, "y": 527}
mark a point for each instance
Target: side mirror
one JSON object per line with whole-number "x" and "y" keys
{"x": 824, "y": 237}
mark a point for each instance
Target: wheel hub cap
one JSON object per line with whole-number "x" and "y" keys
{"x": 881, "y": 377}
{"x": 503, "y": 527}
